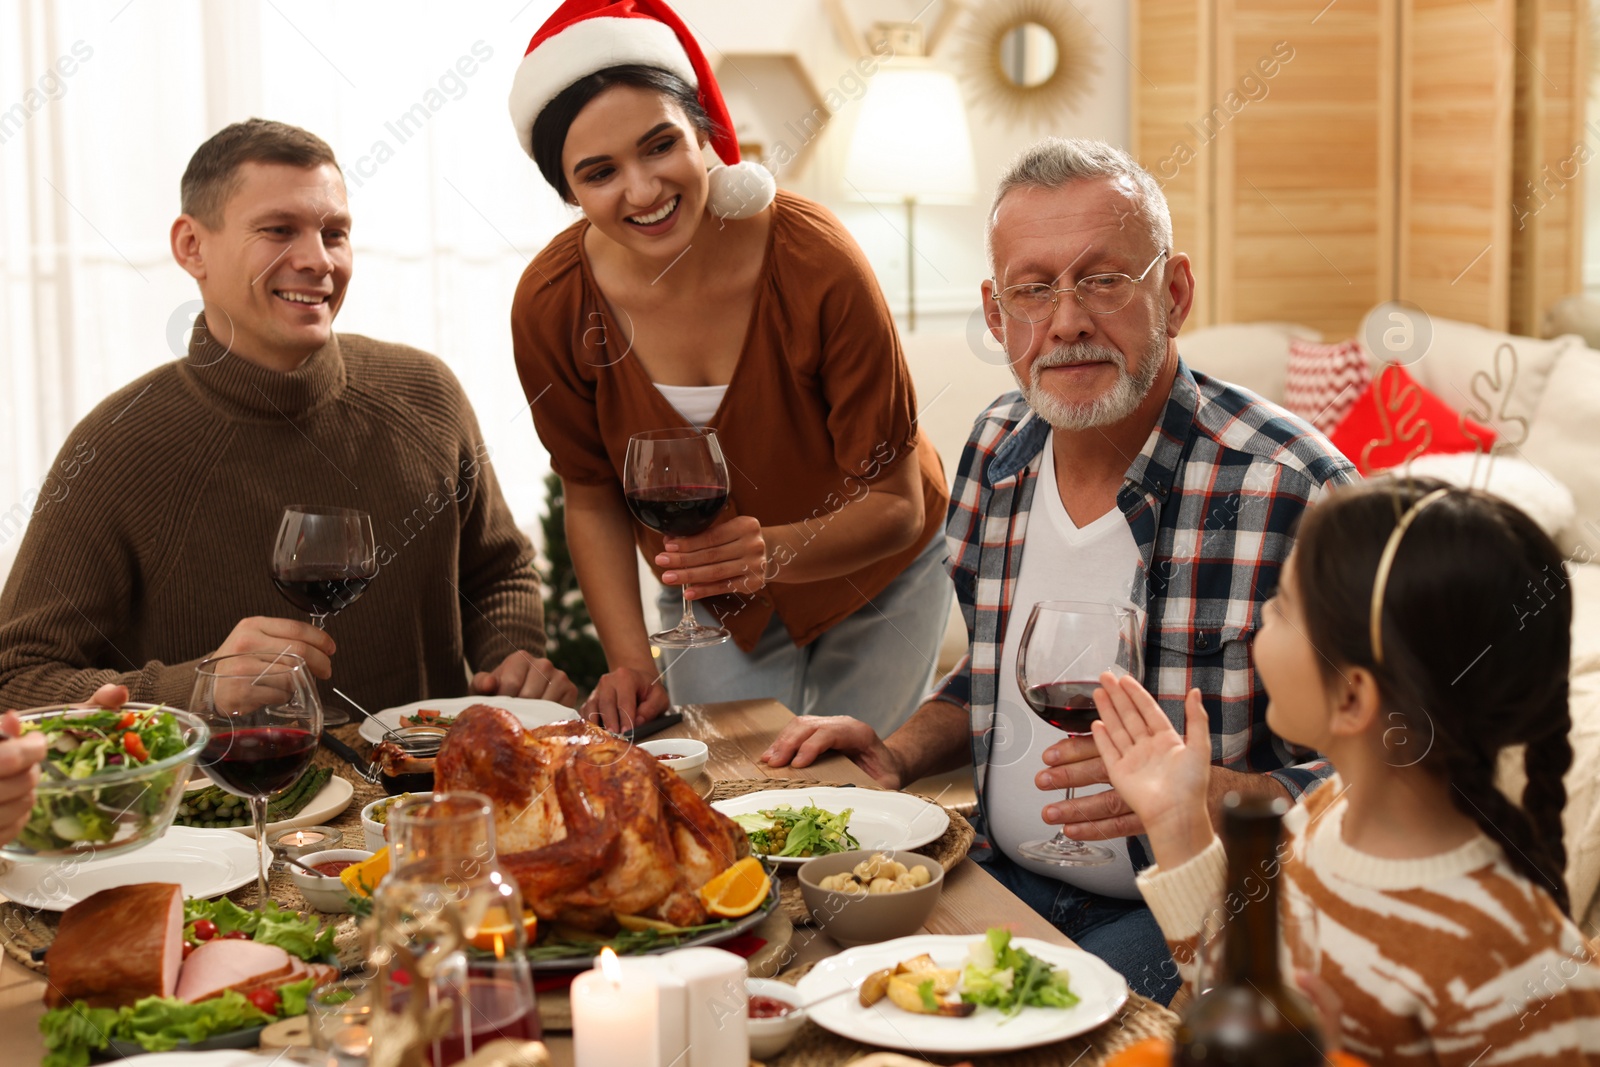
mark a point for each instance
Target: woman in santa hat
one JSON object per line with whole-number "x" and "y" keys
{"x": 694, "y": 298}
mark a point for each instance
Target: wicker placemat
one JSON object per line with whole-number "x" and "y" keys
{"x": 1138, "y": 1019}
{"x": 29, "y": 929}
{"x": 950, "y": 849}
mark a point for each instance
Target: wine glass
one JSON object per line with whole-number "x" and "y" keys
{"x": 1065, "y": 647}
{"x": 676, "y": 482}
{"x": 322, "y": 562}
{"x": 265, "y": 719}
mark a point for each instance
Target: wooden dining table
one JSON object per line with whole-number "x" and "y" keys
{"x": 736, "y": 733}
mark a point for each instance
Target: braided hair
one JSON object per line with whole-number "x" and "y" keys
{"x": 1476, "y": 636}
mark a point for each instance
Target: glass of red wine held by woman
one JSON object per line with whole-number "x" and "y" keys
{"x": 1065, "y": 646}
{"x": 676, "y": 482}
{"x": 265, "y": 719}
{"x": 322, "y": 561}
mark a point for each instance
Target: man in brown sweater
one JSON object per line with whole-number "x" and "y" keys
{"x": 150, "y": 549}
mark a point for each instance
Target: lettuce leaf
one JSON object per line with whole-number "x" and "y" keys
{"x": 157, "y": 1023}
{"x": 271, "y": 926}
{"x": 1000, "y": 976}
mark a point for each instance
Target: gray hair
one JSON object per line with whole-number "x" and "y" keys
{"x": 1058, "y": 161}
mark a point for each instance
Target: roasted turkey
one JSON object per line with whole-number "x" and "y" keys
{"x": 589, "y": 826}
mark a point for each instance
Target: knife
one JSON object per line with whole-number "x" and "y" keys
{"x": 348, "y": 754}
{"x": 653, "y": 727}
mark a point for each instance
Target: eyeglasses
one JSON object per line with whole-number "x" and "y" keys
{"x": 1098, "y": 294}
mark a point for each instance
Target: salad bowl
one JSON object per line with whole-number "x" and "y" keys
{"x": 116, "y": 778}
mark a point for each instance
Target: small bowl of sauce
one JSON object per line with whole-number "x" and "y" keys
{"x": 775, "y": 1014}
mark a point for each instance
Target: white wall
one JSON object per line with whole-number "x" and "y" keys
{"x": 949, "y": 240}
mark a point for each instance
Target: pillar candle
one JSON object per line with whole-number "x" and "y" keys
{"x": 615, "y": 1017}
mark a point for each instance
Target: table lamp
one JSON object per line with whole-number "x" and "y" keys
{"x": 911, "y": 144}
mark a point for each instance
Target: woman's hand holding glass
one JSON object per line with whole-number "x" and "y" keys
{"x": 730, "y": 557}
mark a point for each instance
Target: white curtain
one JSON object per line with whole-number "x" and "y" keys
{"x": 101, "y": 105}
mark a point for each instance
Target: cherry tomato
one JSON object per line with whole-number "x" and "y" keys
{"x": 204, "y": 929}
{"x": 399, "y": 978}
{"x": 134, "y": 747}
{"x": 236, "y": 935}
{"x": 267, "y": 1000}
{"x": 188, "y": 947}
{"x": 127, "y": 720}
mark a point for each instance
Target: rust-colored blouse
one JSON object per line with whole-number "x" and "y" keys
{"x": 820, "y": 403}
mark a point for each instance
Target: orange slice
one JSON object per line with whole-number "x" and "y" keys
{"x": 362, "y": 878}
{"x": 737, "y": 891}
{"x": 494, "y": 934}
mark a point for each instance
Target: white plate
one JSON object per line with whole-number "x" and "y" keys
{"x": 531, "y": 712}
{"x": 217, "y": 1058}
{"x": 207, "y": 863}
{"x": 333, "y": 798}
{"x": 878, "y": 818}
{"x": 1100, "y": 990}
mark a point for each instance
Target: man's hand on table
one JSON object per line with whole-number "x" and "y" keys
{"x": 808, "y": 737}
{"x": 625, "y": 697}
{"x": 19, "y": 763}
{"x": 270, "y": 637}
{"x": 522, "y": 674}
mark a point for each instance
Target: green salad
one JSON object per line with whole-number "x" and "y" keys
{"x": 1002, "y": 976}
{"x": 807, "y": 831}
{"x": 83, "y": 746}
{"x": 74, "y": 1031}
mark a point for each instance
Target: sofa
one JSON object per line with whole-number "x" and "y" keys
{"x": 1557, "y": 391}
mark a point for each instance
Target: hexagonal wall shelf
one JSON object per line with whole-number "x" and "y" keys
{"x": 778, "y": 111}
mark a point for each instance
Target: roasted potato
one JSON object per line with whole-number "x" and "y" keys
{"x": 905, "y": 992}
{"x": 874, "y": 987}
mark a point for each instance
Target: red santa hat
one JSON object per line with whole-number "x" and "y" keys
{"x": 585, "y": 36}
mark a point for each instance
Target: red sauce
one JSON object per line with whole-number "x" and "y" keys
{"x": 665, "y": 757}
{"x": 332, "y": 868}
{"x": 765, "y": 1007}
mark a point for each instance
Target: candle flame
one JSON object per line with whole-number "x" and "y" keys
{"x": 610, "y": 967}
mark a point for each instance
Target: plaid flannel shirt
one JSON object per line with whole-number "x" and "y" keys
{"x": 1212, "y": 500}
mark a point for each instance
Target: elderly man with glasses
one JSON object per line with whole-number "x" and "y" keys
{"x": 1117, "y": 475}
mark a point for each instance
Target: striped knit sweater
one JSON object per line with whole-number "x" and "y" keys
{"x": 1454, "y": 959}
{"x": 153, "y": 535}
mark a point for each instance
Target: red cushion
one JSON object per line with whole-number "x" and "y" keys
{"x": 1396, "y": 420}
{"x": 1324, "y": 380}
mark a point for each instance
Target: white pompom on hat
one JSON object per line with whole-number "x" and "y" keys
{"x": 586, "y": 36}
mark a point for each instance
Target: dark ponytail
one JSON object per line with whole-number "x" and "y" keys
{"x": 1476, "y": 635}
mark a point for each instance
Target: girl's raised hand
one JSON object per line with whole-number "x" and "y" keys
{"x": 1161, "y": 776}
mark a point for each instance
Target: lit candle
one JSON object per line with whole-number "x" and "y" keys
{"x": 615, "y": 1016}
{"x": 297, "y": 843}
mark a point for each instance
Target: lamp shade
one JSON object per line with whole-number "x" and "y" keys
{"x": 911, "y": 137}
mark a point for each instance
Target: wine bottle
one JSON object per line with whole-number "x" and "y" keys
{"x": 1250, "y": 1016}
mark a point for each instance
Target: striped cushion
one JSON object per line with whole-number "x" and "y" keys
{"x": 1324, "y": 380}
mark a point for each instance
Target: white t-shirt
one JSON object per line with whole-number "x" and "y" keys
{"x": 1060, "y": 561}
{"x": 696, "y": 403}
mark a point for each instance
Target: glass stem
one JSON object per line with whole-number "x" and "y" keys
{"x": 1061, "y": 831}
{"x": 318, "y": 621}
{"x": 258, "y": 812}
{"x": 688, "y": 623}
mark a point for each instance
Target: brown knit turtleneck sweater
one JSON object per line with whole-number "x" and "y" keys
{"x": 153, "y": 536}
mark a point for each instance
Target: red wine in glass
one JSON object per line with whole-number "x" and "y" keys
{"x": 258, "y": 760}
{"x": 678, "y": 510}
{"x": 322, "y": 595}
{"x": 322, "y": 561}
{"x": 676, "y": 483}
{"x": 1068, "y": 706}
{"x": 498, "y": 1011}
{"x": 265, "y": 718}
{"x": 1064, "y": 644}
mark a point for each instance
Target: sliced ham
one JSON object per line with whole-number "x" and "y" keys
{"x": 118, "y": 946}
{"x": 227, "y": 963}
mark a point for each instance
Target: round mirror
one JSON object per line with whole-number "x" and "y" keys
{"x": 1028, "y": 55}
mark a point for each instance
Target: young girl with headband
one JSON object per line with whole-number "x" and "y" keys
{"x": 1399, "y": 644}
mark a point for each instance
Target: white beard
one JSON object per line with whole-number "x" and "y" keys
{"x": 1112, "y": 406}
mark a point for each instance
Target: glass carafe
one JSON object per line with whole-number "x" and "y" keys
{"x": 450, "y": 926}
